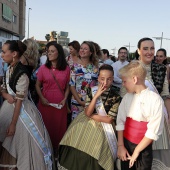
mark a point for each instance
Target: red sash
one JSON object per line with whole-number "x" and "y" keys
{"x": 134, "y": 130}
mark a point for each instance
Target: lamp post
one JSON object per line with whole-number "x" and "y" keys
{"x": 28, "y": 20}
{"x": 129, "y": 56}
{"x": 114, "y": 51}
{"x": 161, "y": 38}
{"x": 128, "y": 46}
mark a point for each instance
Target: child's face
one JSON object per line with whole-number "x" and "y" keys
{"x": 106, "y": 78}
{"x": 128, "y": 83}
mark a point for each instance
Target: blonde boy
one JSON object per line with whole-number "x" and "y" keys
{"x": 139, "y": 121}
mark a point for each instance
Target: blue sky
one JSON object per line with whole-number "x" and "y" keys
{"x": 110, "y": 23}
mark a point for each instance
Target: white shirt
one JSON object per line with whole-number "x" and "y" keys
{"x": 43, "y": 59}
{"x": 146, "y": 106}
{"x": 116, "y": 67}
{"x": 108, "y": 61}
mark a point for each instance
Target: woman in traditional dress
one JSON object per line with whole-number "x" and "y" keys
{"x": 156, "y": 80}
{"x": 161, "y": 58}
{"x": 53, "y": 87}
{"x": 25, "y": 143}
{"x": 83, "y": 75}
{"x": 87, "y": 144}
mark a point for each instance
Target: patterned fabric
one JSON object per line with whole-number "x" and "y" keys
{"x": 88, "y": 136}
{"x": 69, "y": 61}
{"x": 110, "y": 100}
{"x": 158, "y": 75}
{"x": 82, "y": 78}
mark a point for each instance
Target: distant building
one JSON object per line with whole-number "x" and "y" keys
{"x": 12, "y": 20}
{"x": 62, "y": 38}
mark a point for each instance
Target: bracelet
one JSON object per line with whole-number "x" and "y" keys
{"x": 119, "y": 145}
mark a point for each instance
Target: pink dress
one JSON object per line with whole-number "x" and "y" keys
{"x": 55, "y": 119}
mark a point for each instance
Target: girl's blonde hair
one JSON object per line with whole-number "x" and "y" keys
{"x": 134, "y": 68}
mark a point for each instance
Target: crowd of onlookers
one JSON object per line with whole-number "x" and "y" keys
{"x": 46, "y": 91}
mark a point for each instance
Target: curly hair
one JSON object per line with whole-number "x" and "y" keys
{"x": 31, "y": 54}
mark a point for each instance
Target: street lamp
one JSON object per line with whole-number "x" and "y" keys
{"x": 129, "y": 56}
{"x": 114, "y": 51}
{"x": 161, "y": 38}
{"x": 28, "y": 20}
{"x": 128, "y": 46}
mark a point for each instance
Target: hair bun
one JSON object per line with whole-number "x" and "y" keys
{"x": 21, "y": 47}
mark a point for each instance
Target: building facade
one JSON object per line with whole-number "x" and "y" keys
{"x": 12, "y": 20}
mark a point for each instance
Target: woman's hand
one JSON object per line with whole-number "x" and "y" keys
{"x": 10, "y": 99}
{"x": 11, "y": 129}
{"x": 44, "y": 101}
{"x": 63, "y": 102}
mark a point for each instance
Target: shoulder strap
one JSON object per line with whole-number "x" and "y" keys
{"x": 56, "y": 82}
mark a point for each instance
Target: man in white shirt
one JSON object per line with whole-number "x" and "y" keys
{"x": 122, "y": 61}
{"x": 43, "y": 57}
{"x": 105, "y": 56}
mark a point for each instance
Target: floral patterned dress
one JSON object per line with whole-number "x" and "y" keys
{"x": 82, "y": 78}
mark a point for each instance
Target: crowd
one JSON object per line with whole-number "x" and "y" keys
{"x": 85, "y": 111}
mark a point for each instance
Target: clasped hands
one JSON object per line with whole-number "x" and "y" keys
{"x": 123, "y": 155}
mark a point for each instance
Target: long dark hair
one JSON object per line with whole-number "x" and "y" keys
{"x": 164, "y": 51}
{"x": 61, "y": 61}
{"x": 16, "y": 45}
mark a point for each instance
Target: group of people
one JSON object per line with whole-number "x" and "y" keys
{"x": 119, "y": 110}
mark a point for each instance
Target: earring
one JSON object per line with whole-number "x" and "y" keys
{"x": 13, "y": 59}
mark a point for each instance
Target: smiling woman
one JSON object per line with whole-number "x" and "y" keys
{"x": 161, "y": 58}
{"x": 156, "y": 80}
{"x": 83, "y": 74}
{"x": 54, "y": 77}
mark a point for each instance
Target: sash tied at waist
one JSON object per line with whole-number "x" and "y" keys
{"x": 134, "y": 130}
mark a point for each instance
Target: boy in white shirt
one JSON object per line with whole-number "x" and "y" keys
{"x": 140, "y": 119}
